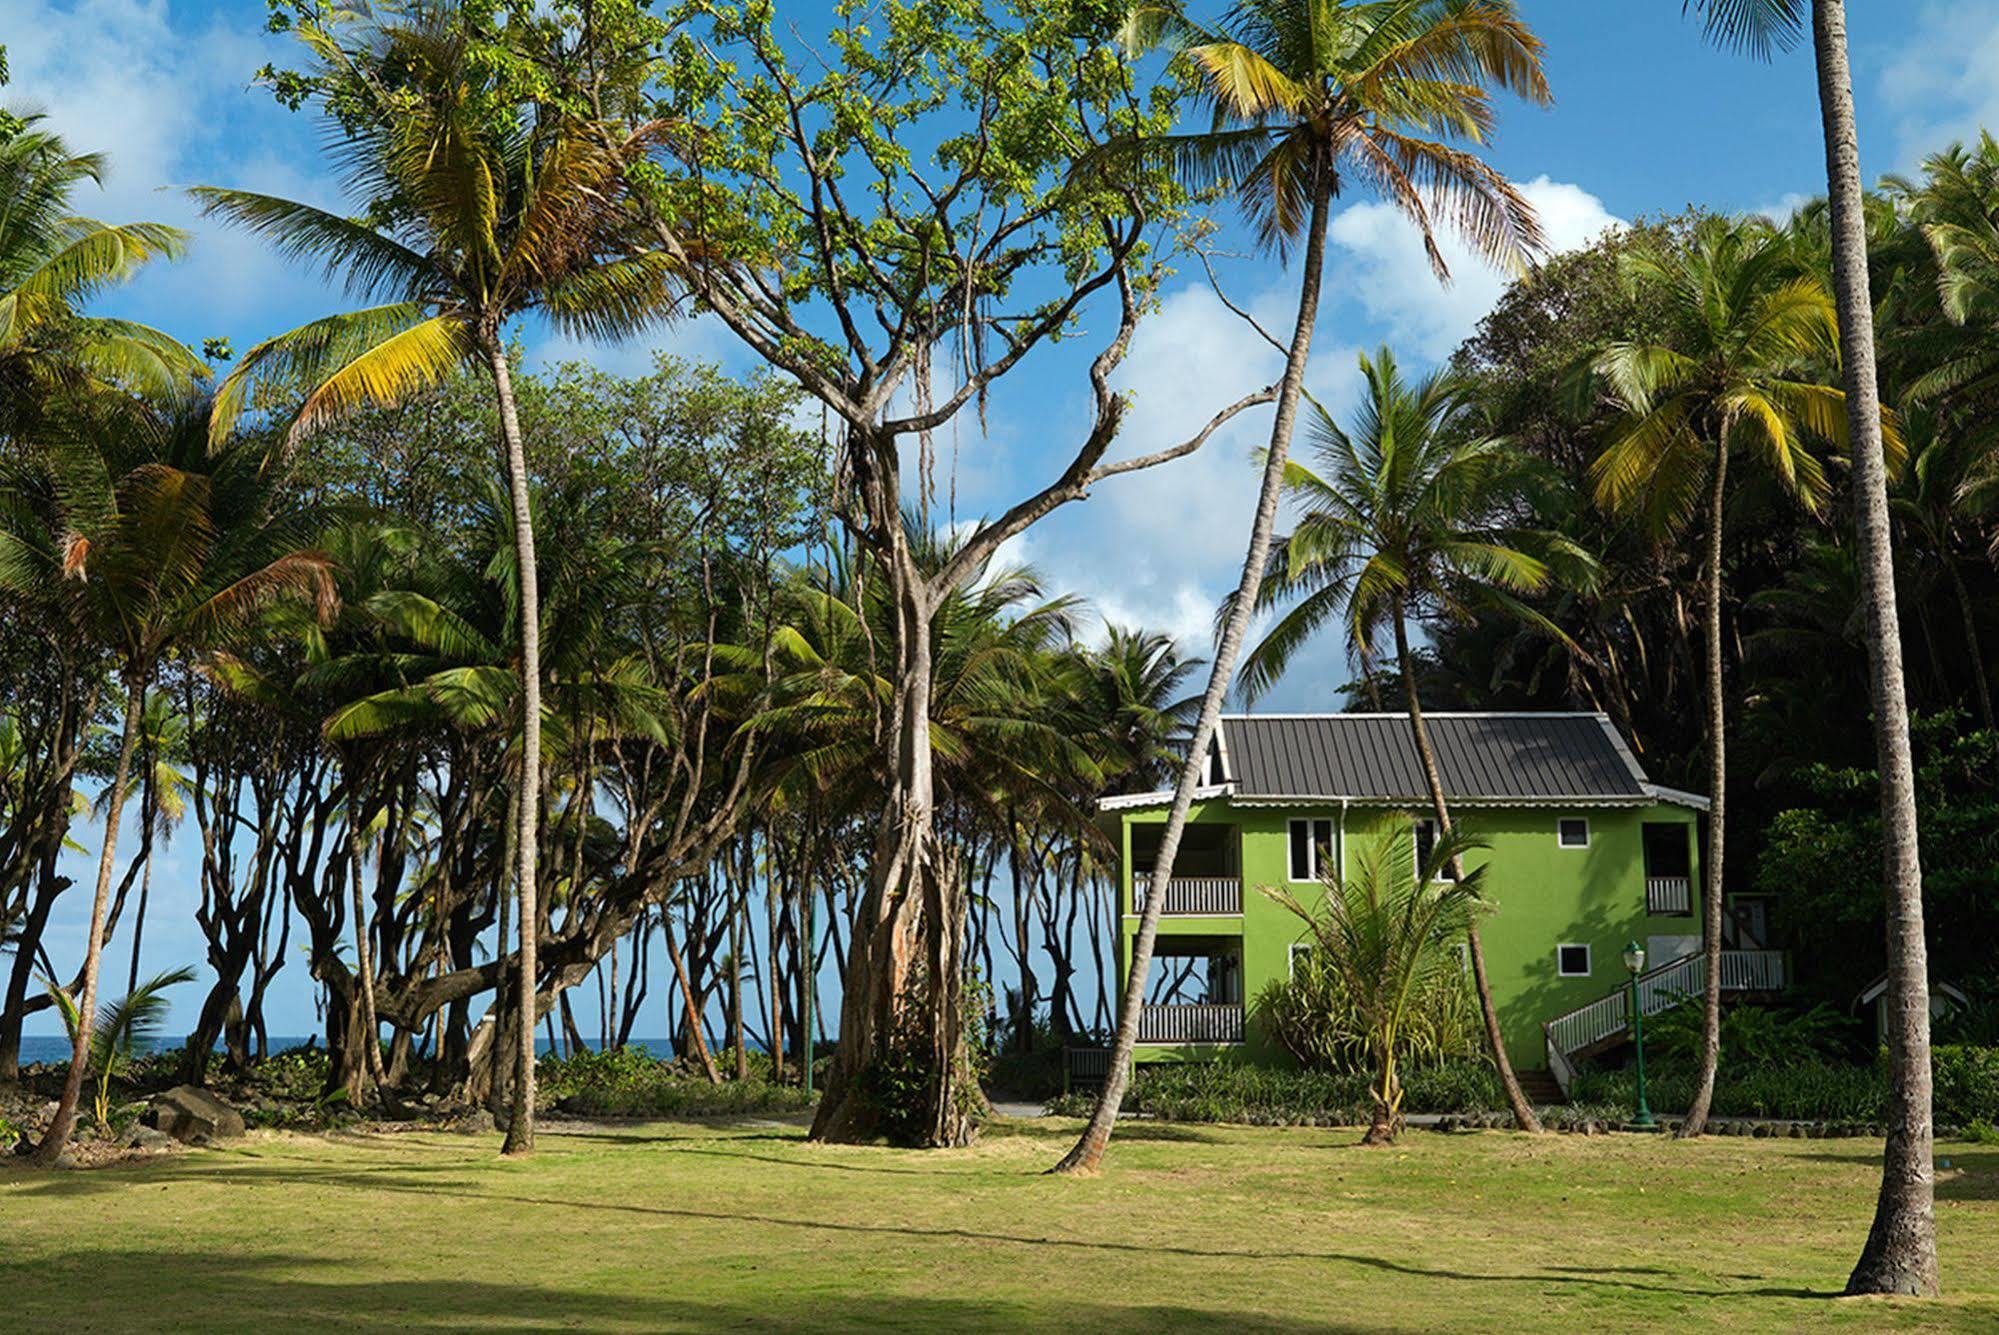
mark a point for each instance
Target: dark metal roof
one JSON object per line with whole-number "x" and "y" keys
{"x": 1495, "y": 757}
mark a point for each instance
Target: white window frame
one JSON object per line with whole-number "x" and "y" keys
{"x": 1589, "y": 960}
{"x": 1563, "y": 844}
{"x": 1291, "y": 957}
{"x": 1315, "y": 868}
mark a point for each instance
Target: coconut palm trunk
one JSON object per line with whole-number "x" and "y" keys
{"x": 1088, "y": 1152}
{"x": 64, "y": 1121}
{"x": 520, "y": 1125}
{"x": 1523, "y": 1112}
{"x": 148, "y": 797}
{"x": 1901, "y": 1251}
{"x": 1717, "y": 782}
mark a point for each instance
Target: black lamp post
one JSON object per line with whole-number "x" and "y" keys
{"x": 1634, "y": 964}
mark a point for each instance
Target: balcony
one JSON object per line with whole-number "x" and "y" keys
{"x": 1183, "y": 1023}
{"x": 1194, "y": 896}
{"x": 1669, "y": 896}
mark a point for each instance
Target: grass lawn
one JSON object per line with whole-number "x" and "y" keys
{"x": 671, "y": 1226}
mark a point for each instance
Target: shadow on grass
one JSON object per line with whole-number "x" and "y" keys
{"x": 159, "y": 1289}
{"x": 257, "y": 1170}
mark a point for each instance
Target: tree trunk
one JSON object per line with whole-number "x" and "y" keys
{"x": 1980, "y": 685}
{"x": 520, "y": 1126}
{"x": 1901, "y": 1251}
{"x": 147, "y": 817}
{"x": 1088, "y": 1152}
{"x": 57, "y": 1135}
{"x": 1717, "y": 782}
{"x": 1516, "y": 1099}
{"x": 364, "y": 964}
{"x": 899, "y": 1068}
{"x": 695, "y": 1040}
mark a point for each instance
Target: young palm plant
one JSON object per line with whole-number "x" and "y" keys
{"x": 1388, "y": 934}
{"x": 1733, "y": 376}
{"x": 1306, "y": 97}
{"x": 483, "y": 206}
{"x": 125, "y": 1029}
{"x": 1401, "y": 520}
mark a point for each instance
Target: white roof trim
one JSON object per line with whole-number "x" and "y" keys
{"x": 1618, "y": 745}
{"x": 1416, "y": 800}
{"x": 1430, "y": 713}
{"x": 1160, "y": 798}
{"x": 1659, "y": 792}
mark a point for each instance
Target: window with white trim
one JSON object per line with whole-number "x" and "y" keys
{"x": 1298, "y": 951}
{"x": 1426, "y": 842}
{"x": 1572, "y": 832}
{"x": 1313, "y": 850}
{"x": 1572, "y": 961}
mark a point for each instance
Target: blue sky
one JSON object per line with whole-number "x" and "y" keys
{"x": 1647, "y": 119}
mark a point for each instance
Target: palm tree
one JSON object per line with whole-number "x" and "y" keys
{"x": 1401, "y": 521}
{"x": 1303, "y": 97}
{"x": 1732, "y": 376}
{"x": 1388, "y": 934}
{"x": 492, "y": 211}
{"x": 156, "y": 545}
{"x": 1901, "y": 1254}
{"x": 51, "y": 263}
{"x": 123, "y": 1031}
{"x": 1947, "y": 463}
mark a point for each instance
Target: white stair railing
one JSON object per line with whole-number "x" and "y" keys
{"x": 1659, "y": 989}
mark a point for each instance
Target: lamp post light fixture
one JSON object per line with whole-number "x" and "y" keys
{"x": 1634, "y": 964}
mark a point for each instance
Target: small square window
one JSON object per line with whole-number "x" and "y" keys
{"x": 1572, "y": 832}
{"x": 1572, "y": 961}
{"x": 1299, "y": 949}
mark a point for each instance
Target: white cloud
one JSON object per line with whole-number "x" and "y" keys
{"x": 1783, "y": 208}
{"x": 1392, "y": 279}
{"x": 1937, "y": 81}
{"x": 164, "y": 95}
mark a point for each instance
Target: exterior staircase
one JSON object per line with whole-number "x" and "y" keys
{"x": 1541, "y": 1087}
{"x": 1605, "y": 1023}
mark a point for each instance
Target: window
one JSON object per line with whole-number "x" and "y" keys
{"x": 1311, "y": 849}
{"x": 1572, "y": 832}
{"x": 1572, "y": 961}
{"x": 1299, "y": 950}
{"x": 1426, "y": 843}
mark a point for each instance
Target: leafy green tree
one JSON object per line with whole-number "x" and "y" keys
{"x": 1304, "y": 98}
{"x": 52, "y": 262}
{"x": 1734, "y": 374}
{"x": 156, "y": 544}
{"x": 1389, "y": 933}
{"x": 1405, "y": 517}
{"x": 480, "y": 204}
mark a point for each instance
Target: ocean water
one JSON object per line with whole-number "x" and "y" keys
{"x": 49, "y": 1048}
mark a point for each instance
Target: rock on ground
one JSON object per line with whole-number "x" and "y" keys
{"x": 186, "y": 1112}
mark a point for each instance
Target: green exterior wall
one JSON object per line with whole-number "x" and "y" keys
{"x": 1543, "y": 895}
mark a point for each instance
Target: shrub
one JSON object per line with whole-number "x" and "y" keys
{"x": 1807, "y": 1091}
{"x": 626, "y": 1082}
{"x": 1751, "y": 1035}
{"x": 1240, "y": 1092}
{"x": 1965, "y": 1084}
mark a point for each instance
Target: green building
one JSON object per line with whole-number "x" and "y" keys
{"x": 1584, "y": 854}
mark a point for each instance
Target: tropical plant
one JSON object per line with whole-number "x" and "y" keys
{"x": 52, "y": 262}
{"x": 1405, "y": 517}
{"x": 1734, "y": 374}
{"x": 483, "y": 204}
{"x": 151, "y": 542}
{"x": 1304, "y": 97}
{"x": 123, "y": 1030}
{"x": 1389, "y": 933}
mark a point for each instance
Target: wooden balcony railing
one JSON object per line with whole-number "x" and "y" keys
{"x": 1210, "y": 896}
{"x": 1190, "y": 1024}
{"x": 1670, "y": 896}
